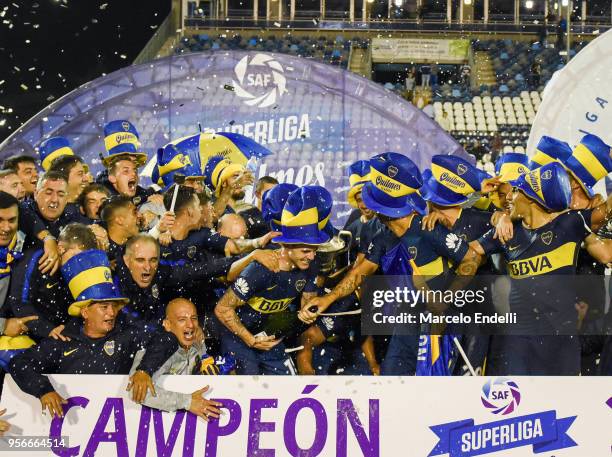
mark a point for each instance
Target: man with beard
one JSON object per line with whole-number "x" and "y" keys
{"x": 262, "y": 303}
{"x": 25, "y": 167}
{"x": 541, "y": 254}
{"x": 93, "y": 344}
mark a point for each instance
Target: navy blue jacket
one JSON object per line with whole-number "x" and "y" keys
{"x": 111, "y": 354}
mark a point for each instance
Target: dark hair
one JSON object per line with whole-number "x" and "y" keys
{"x": 7, "y": 200}
{"x": 51, "y": 176}
{"x": 78, "y": 235}
{"x": 12, "y": 163}
{"x": 112, "y": 205}
{"x": 265, "y": 180}
{"x": 65, "y": 164}
{"x": 140, "y": 237}
{"x": 94, "y": 187}
{"x": 183, "y": 198}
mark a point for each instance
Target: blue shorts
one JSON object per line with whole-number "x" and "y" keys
{"x": 401, "y": 356}
{"x": 251, "y": 361}
{"x": 340, "y": 359}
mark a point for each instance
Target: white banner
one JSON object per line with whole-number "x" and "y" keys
{"x": 406, "y": 50}
{"x": 577, "y": 99}
{"x": 325, "y": 416}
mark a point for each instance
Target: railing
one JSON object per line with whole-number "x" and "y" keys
{"x": 153, "y": 46}
{"x": 391, "y": 25}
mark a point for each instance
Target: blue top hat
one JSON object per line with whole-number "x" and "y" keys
{"x": 590, "y": 161}
{"x": 359, "y": 174}
{"x": 171, "y": 160}
{"x": 89, "y": 279}
{"x": 393, "y": 177}
{"x": 549, "y": 150}
{"x": 121, "y": 139}
{"x": 218, "y": 170}
{"x": 451, "y": 180}
{"x": 52, "y": 148}
{"x": 272, "y": 204}
{"x": 548, "y": 185}
{"x": 302, "y": 219}
{"x": 511, "y": 165}
{"x": 325, "y": 202}
{"x": 418, "y": 203}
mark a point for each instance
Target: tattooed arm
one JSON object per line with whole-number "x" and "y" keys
{"x": 347, "y": 286}
{"x": 226, "y": 313}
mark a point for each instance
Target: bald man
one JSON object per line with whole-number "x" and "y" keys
{"x": 181, "y": 320}
{"x": 232, "y": 226}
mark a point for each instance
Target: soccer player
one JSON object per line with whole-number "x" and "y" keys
{"x": 262, "y": 305}
{"x": 540, "y": 254}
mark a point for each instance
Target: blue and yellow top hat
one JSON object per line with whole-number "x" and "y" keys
{"x": 52, "y": 148}
{"x": 590, "y": 161}
{"x": 418, "y": 203}
{"x": 303, "y": 219}
{"x": 219, "y": 170}
{"x": 89, "y": 279}
{"x": 171, "y": 160}
{"x": 272, "y": 204}
{"x": 451, "y": 180}
{"x": 393, "y": 177}
{"x": 325, "y": 204}
{"x": 511, "y": 165}
{"x": 549, "y": 150}
{"x": 359, "y": 174}
{"x": 548, "y": 185}
{"x": 121, "y": 139}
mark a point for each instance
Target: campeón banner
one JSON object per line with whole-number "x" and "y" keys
{"x": 408, "y": 50}
{"x": 323, "y": 416}
{"x": 314, "y": 117}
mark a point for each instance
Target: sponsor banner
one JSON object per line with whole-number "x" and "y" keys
{"x": 325, "y": 416}
{"x": 316, "y": 119}
{"x": 584, "y": 107}
{"x": 406, "y": 50}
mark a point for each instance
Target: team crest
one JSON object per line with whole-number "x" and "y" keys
{"x": 461, "y": 169}
{"x": 136, "y": 200}
{"x": 125, "y": 125}
{"x": 547, "y": 174}
{"x": 522, "y": 170}
{"x": 547, "y": 238}
{"x": 185, "y": 160}
{"x": 107, "y": 275}
{"x": 412, "y": 250}
{"x": 392, "y": 171}
{"x": 109, "y": 347}
{"x": 299, "y": 285}
{"x": 155, "y": 291}
{"x": 191, "y": 252}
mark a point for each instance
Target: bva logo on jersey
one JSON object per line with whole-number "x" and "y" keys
{"x": 261, "y": 81}
{"x": 500, "y": 396}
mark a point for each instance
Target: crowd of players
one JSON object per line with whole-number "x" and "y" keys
{"x": 108, "y": 277}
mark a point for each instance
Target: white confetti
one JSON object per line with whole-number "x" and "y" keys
{"x": 24, "y": 87}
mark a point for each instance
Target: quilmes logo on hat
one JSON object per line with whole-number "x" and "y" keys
{"x": 450, "y": 179}
{"x": 461, "y": 169}
{"x": 387, "y": 183}
{"x": 500, "y": 396}
{"x": 532, "y": 178}
{"x": 260, "y": 80}
{"x": 392, "y": 171}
